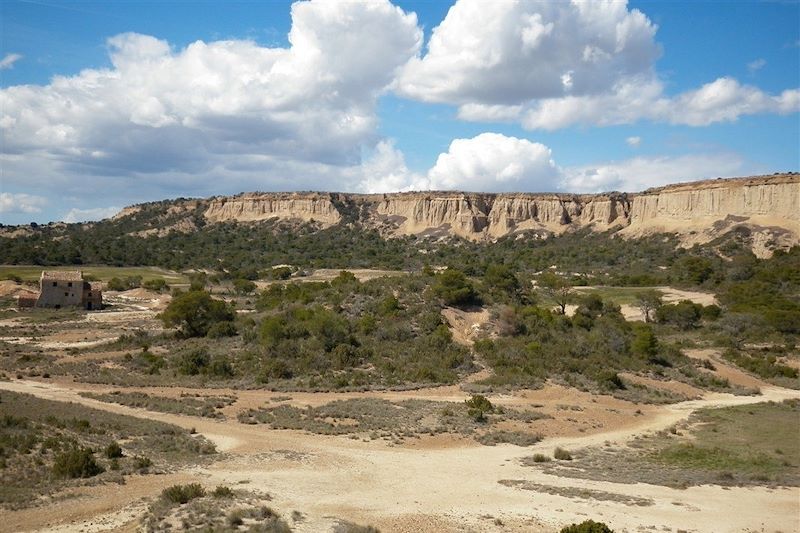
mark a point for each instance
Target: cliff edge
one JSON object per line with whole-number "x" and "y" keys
{"x": 698, "y": 212}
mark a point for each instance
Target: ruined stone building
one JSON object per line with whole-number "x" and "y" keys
{"x": 59, "y": 289}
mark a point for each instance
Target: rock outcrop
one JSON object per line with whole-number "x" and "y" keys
{"x": 697, "y": 212}
{"x": 255, "y": 207}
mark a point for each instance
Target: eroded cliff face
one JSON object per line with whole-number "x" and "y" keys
{"x": 256, "y": 207}
{"x": 555, "y": 214}
{"x": 700, "y": 212}
{"x": 697, "y": 212}
{"x": 464, "y": 215}
{"x": 767, "y": 200}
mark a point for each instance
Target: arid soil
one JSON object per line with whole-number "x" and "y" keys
{"x": 447, "y": 486}
{"x": 430, "y": 483}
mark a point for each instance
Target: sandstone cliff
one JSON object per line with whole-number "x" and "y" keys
{"x": 697, "y": 212}
{"x": 701, "y": 211}
{"x": 255, "y": 207}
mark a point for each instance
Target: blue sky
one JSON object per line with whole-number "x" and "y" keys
{"x": 105, "y": 104}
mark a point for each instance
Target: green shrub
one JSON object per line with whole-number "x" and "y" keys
{"x": 221, "y": 329}
{"x": 344, "y": 278}
{"x": 141, "y": 462}
{"x": 562, "y": 455}
{"x": 156, "y": 284}
{"x": 113, "y": 450}
{"x": 453, "y": 287}
{"x": 222, "y": 492}
{"x": 76, "y": 463}
{"x": 611, "y": 380}
{"x": 478, "y": 406}
{"x": 194, "y": 362}
{"x": 236, "y": 518}
{"x": 587, "y": 526}
{"x": 281, "y": 273}
{"x": 181, "y": 494}
{"x": 684, "y": 314}
{"x": 645, "y": 343}
{"x": 220, "y": 367}
{"x": 124, "y": 284}
{"x": 243, "y": 286}
{"x": 711, "y": 312}
{"x": 540, "y": 458}
{"x": 195, "y": 312}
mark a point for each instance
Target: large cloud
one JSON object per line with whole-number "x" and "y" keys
{"x": 549, "y": 65}
{"x": 224, "y": 109}
{"x": 494, "y": 162}
{"x": 723, "y": 100}
{"x": 506, "y": 52}
{"x": 487, "y": 162}
{"x": 497, "y": 163}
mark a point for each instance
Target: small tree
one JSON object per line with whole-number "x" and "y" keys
{"x": 648, "y": 302}
{"x": 281, "y": 273}
{"x": 645, "y": 342}
{"x": 76, "y": 463}
{"x": 344, "y": 278}
{"x": 478, "y": 407}
{"x": 453, "y": 287}
{"x": 198, "y": 281}
{"x": 558, "y": 288}
{"x": 113, "y": 450}
{"x": 587, "y": 526}
{"x": 684, "y": 314}
{"x": 195, "y": 312}
{"x": 243, "y": 286}
{"x": 501, "y": 278}
{"x": 156, "y": 284}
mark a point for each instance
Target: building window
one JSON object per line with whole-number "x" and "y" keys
{"x": 55, "y": 284}
{"x": 69, "y": 284}
{"x": 66, "y": 294}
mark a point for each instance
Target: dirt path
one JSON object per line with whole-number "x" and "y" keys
{"x": 455, "y": 488}
{"x": 724, "y": 369}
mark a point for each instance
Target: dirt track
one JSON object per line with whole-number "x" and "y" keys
{"x": 447, "y": 488}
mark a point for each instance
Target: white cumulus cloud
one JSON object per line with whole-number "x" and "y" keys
{"x": 494, "y": 162}
{"x": 504, "y": 53}
{"x": 487, "y": 162}
{"x": 551, "y": 65}
{"x": 498, "y": 163}
{"x": 21, "y": 203}
{"x": 633, "y": 142}
{"x": 229, "y": 112}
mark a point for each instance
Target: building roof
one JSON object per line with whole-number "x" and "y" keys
{"x": 62, "y": 275}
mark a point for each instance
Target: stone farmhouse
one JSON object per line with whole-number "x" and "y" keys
{"x": 59, "y": 289}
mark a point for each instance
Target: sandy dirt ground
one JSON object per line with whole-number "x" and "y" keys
{"x": 454, "y": 487}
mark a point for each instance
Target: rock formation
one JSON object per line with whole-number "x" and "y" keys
{"x": 697, "y": 212}
{"x": 255, "y": 207}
